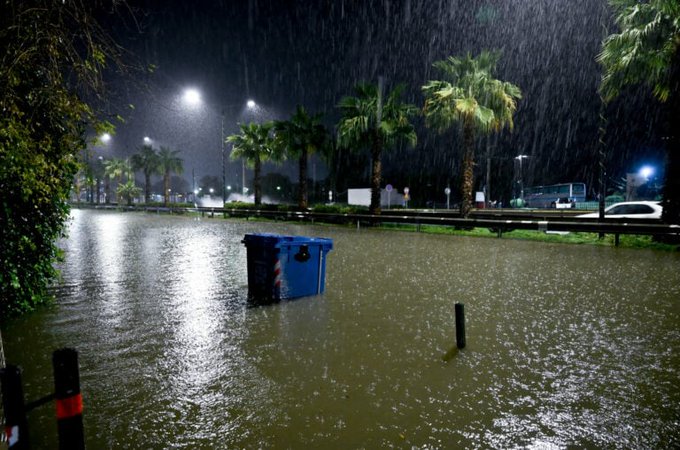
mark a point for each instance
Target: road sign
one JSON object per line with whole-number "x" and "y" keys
{"x": 447, "y": 191}
{"x": 388, "y": 188}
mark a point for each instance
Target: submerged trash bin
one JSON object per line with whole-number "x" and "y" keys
{"x": 281, "y": 267}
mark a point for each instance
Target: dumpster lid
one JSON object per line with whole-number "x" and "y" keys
{"x": 282, "y": 241}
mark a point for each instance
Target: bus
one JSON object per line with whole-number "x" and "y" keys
{"x": 555, "y": 194}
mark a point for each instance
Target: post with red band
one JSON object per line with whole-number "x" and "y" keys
{"x": 16, "y": 424}
{"x": 68, "y": 399}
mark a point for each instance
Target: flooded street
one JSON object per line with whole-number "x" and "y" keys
{"x": 566, "y": 344}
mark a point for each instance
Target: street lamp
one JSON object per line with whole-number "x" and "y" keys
{"x": 646, "y": 172}
{"x": 147, "y": 140}
{"x": 192, "y": 97}
{"x": 521, "y": 176}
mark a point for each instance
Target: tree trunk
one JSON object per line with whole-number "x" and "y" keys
{"x": 257, "y": 184}
{"x": 78, "y": 188}
{"x": 119, "y": 182}
{"x": 376, "y": 174}
{"x": 302, "y": 191}
{"x": 166, "y": 188}
{"x": 147, "y": 186}
{"x": 334, "y": 167}
{"x": 671, "y": 192}
{"x": 107, "y": 189}
{"x": 468, "y": 169}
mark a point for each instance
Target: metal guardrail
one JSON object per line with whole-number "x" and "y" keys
{"x": 500, "y": 221}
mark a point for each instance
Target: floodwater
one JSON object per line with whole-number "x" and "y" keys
{"x": 566, "y": 345}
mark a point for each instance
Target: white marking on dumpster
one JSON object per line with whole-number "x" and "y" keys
{"x": 277, "y": 274}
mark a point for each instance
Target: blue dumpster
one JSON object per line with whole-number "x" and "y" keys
{"x": 281, "y": 267}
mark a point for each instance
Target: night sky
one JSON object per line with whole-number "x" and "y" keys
{"x": 283, "y": 52}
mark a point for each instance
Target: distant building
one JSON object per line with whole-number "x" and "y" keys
{"x": 362, "y": 197}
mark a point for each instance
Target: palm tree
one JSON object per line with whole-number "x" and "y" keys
{"x": 168, "y": 162}
{"x": 128, "y": 191}
{"x": 647, "y": 51}
{"x": 299, "y": 137}
{"x": 115, "y": 168}
{"x": 147, "y": 161}
{"x": 255, "y": 145}
{"x": 471, "y": 97}
{"x": 370, "y": 120}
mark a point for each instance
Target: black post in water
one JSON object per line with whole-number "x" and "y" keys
{"x": 16, "y": 425}
{"x": 460, "y": 325}
{"x": 69, "y": 401}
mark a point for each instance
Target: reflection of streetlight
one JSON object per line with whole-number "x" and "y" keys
{"x": 521, "y": 175}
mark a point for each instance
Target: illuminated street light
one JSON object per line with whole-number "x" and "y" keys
{"x": 646, "y": 172}
{"x": 192, "y": 97}
{"x": 147, "y": 140}
{"x": 105, "y": 138}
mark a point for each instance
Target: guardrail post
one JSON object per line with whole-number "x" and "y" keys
{"x": 16, "y": 424}
{"x": 460, "y": 325}
{"x": 69, "y": 401}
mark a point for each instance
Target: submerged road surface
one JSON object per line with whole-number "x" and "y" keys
{"x": 566, "y": 345}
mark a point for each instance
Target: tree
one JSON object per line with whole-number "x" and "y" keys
{"x": 469, "y": 96}
{"x": 372, "y": 121}
{"x": 300, "y": 137}
{"x": 148, "y": 162}
{"x": 647, "y": 51}
{"x": 169, "y": 162}
{"x": 115, "y": 168}
{"x": 128, "y": 191}
{"x": 52, "y": 55}
{"x": 255, "y": 145}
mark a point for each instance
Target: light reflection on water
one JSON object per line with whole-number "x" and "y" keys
{"x": 567, "y": 345}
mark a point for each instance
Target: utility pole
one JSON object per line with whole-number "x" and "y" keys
{"x": 224, "y": 169}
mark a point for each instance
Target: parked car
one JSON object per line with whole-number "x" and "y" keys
{"x": 629, "y": 210}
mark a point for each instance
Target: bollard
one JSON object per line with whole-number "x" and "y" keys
{"x": 16, "y": 424}
{"x": 460, "y": 325}
{"x": 69, "y": 401}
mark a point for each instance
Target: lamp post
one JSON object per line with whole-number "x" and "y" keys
{"x": 521, "y": 176}
{"x": 224, "y": 170}
{"x": 193, "y": 98}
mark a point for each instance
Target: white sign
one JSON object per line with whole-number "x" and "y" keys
{"x": 447, "y": 191}
{"x": 12, "y": 435}
{"x": 406, "y": 191}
